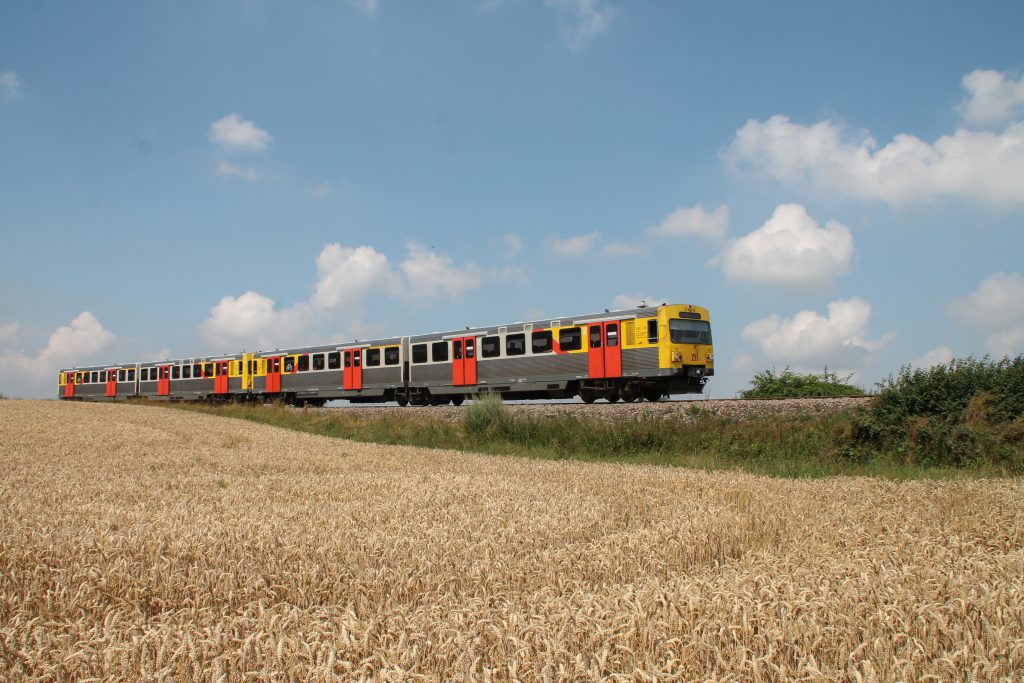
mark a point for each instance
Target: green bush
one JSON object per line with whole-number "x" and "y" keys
{"x": 789, "y": 384}
{"x": 966, "y": 412}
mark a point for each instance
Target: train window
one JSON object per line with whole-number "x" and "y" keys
{"x": 348, "y": 359}
{"x": 469, "y": 348}
{"x": 356, "y": 358}
{"x": 515, "y": 344}
{"x": 289, "y": 364}
{"x": 186, "y": 372}
{"x": 439, "y": 351}
{"x": 372, "y": 357}
{"x": 689, "y": 331}
{"x": 318, "y": 361}
{"x": 95, "y": 376}
{"x": 611, "y": 332}
{"x": 197, "y": 371}
{"x": 176, "y": 372}
{"x": 542, "y": 341}
{"x": 304, "y": 363}
{"x": 121, "y": 374}
{"x": 275, "y": 365}
{"x": 652, "y": 331}
{"x": 419, "y": 353}
{"x": 391, "y": 355}
{"x": 595, "y": 336}
{"x": 570, "y": 339}
{"x": 490, "y": 347}
{"x": 457, "y": 349}
{"x": 208, "y": 370}
{"x": 131, "y": 375}
{"x": 144, "y": 374}
{"x": 333, "y": 360}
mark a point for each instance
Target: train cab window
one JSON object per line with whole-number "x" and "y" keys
{"x": 542, "y": 341}
{"x": 490, "y": 347}
{"x": 372, "y": 358}
{"x": 419, "y": 353}
{"x": 186, "y": 372}
{"x": 304, "y": 363}
{"x": 515, "y": 344}
{"x": 208, "y": 370}
{"x": 570, "y": 339}
{"x": 121, "y": 375}
{"x": 439, "y": 351}
{"x": 176, "y": 372}
{"x": 391, "y": 355}
{"x": 318, "y": 361}
{"x": 334, "y": 360}
{"x": 131, "y": 375}
{"x": 652, "y": 331}
{"x": 611, "y": 332}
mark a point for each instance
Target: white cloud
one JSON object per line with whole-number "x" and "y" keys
{"x": 622, "y": 249}
{"x": 515, "y": 245}
{"x": 430, "y": 274}
{"x": 982, "y": 166}
{"x": 634, "y": 300}
{"x": 743, "y": 362}
{"x": 581, "y": 245}
{"x": 937, "y": 356}
{"x": 809, "y": 338}
{"x": 233, "y": 133}
{"x": 790, "y": 250}
{"x": 9, "y": 331}
{"x": 695, "y": 222}
{"x": 590, "y": 19}
{"x": 10, "y": 82}
{"x": 997, "y": 302}
{"x": 34, "y": 375}
{"x": 349, "y": 276}
{"x": 1008, "y": 342}
{"x": 254, "y": 321}
{"x": 229, "y": 170}
{"x": 994, "y": 98}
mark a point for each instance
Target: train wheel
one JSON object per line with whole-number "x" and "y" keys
{"x": 402, "y": 400}
{"x": 587, "y": 395}
{"x": 652, "y": 395}
{"x": 612, "y": 398}
{"x": 457, "y": 401}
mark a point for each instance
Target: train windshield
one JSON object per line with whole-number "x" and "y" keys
{"x": 690, "y": 331}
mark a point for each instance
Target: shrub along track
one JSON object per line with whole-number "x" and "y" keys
{"x": 167, "y": 545}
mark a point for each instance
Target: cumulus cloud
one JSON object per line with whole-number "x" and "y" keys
{"x": 34, "y": 374}
{"x": 622, "y": 249}
{"x": 693, "y": 222}
{"x": 514, "y": 244}
{"x": 233, "y": 133}
{"x": 838, "y": 339}
{"x": 937, "y": 356}
{"x": 581, "y": 245}
{"x": 790, "y": 250}
{"x": 977, "y": 165}
{"x": 997, "y": 302}
{"x": 997, "y": 308}
{"x": 634, "y": 300}
{"x": 254, "y": 321}
{"x": 10, "y": 83}
{"x": 590, "y": 18}
{"x": 429, "y": 274}
{"x": 229, "y": 170}
{"x": 993, "y": 98}
{"x": 347, "y": 276}
{"x": 9, "y": 331}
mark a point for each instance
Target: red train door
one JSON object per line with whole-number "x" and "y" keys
{"x": 353, "y": 369}
{"x": 464, "y": 361}
{"x": 69, "y": 385}
{"x": 163, "y": 382}
{"x": 220, "y": 381}
{"x": 274, "y": 375}
{"x": 605, "y": 354}
{"x": 111, "y": 383}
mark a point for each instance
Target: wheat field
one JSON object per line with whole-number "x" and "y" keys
{"x": 138, "y": 543}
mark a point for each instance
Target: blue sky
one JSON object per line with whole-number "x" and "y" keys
{"x": 839, "y": 185}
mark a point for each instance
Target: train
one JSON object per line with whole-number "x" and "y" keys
{"x": 640, "y": 353}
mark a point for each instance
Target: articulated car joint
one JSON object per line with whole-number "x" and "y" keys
{"x": 684, "y": 334}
